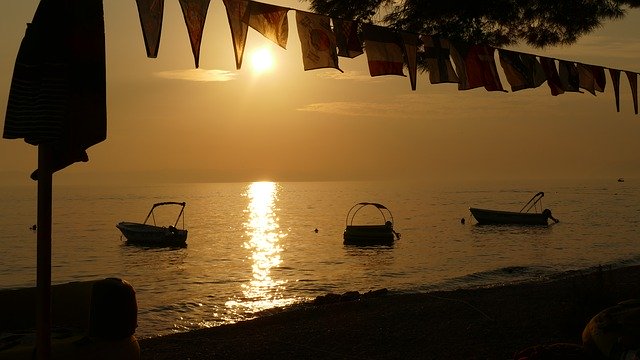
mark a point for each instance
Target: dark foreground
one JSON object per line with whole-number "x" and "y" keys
{"x": 490, "y": 323}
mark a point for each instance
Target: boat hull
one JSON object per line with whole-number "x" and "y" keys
{"x": 150, "y": 235}
{"x": 486, "y": 216}
{"x": 368, "y": 235}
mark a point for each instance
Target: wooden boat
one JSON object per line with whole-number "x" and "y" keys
{"x": 370, "y": 234}
{"x": 522, "y": 217}
{"x": 154, "y": 235}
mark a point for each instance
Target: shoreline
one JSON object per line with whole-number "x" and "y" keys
{"x": 479, "y": 323}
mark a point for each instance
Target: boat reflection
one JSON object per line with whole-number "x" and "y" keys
{"x": 263, "y": 232}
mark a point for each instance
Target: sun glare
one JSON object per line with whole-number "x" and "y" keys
{"x": 261, "y": 60}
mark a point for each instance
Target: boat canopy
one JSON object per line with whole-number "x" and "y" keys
{"x": 384, "y": 212}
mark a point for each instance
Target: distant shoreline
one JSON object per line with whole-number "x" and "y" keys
{"x": 483, "y": 323}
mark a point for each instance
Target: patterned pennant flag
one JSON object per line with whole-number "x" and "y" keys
{"x": 346, "y": 32}
{"x": 411, "y": 43}
{"x": 553, "y": 79}
{"x": 384, "y": 50}
{"x": 438, "y": 60}
{"x": 195, "y": 14}
{"x": 615, "y": 82}
{"x": 238, "y": 17}
{"x": 569, "y": 76}
{"x": 269, "y": 20}
{"x": 523, "y": 71}
{"x": 633, "y": 82}
{"x": 476, "y": 67}
{"x": 150, "y": 13}
{"x": 317, "y": 41}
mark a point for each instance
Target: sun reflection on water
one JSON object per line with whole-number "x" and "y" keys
{"x": 262, "y": 291}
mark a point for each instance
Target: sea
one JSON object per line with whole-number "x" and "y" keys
{"x": 256, "y": 246}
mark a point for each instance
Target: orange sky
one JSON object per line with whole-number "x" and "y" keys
{"x": 169, "y": 122}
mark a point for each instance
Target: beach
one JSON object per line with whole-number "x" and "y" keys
{"x": 483, "y": 323}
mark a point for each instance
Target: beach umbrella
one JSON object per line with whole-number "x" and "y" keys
{"x": 57, "y": 102}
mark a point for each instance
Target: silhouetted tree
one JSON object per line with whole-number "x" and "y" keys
{"x": 495, "y": 22}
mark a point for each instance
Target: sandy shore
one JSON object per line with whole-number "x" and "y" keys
{"x": 492, "y": 323}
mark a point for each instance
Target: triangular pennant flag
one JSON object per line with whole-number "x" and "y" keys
{"x": 150, "y": 13}
{"x": 633, "y": 82}
{"x": 317, "y": 41}
{"x": 384, "y": 50}
{"x": 195, "y": 14}
{"x": 523, "y": 71}
{"x": 553, "y": 79}
{"x": 238, "y": 18}
{"x": 586, "y": 77}
{"x": 346, "y": 32}
{"x": 615, "y": 82}
{"x": 438, "y": 60}
{"x": 271, "y": 21}
{"x": 411, "y": 43}
{"x": 569, "y": 77}
{"x": 476, "y": 67}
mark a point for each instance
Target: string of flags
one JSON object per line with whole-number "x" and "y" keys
{"x": 324, "y": 39}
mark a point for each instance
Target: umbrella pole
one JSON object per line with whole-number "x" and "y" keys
{"x": 43, "y": 279}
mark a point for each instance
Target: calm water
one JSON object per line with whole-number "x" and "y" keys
{"x": 252, "y": 246}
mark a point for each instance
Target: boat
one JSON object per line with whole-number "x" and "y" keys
{"x": 523, "y": 217}
{"x": 154, "y": 235}
{"x": 370, "y": 234}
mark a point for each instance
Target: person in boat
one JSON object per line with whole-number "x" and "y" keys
{"x": 389, "y": 224}
{"x": 547, "y": 213}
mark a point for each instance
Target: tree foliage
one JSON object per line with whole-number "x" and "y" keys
{"x": 498, "y": 23}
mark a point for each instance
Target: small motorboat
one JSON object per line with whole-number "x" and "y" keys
{"x": 154, "y": 235}
{"x": 370, "y": 234}
{"x": 523, "y": 217}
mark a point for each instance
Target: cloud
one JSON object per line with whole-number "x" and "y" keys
{"x": 197, "y": 75}
{"x": 348, "y": 75}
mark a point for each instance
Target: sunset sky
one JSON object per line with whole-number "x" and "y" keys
{"x": 170, "y": 122}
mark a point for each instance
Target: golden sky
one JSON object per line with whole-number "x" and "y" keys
{"x": 170, "y": 122}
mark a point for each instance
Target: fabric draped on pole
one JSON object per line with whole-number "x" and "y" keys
{"x": 58, "y": 90}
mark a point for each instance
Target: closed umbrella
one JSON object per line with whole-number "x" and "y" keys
{"x": 57, "y": 101}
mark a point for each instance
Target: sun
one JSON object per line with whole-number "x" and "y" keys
{"x": 262, "y": 60}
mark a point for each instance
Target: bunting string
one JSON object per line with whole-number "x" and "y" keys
{"x": 324, "y": 39}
